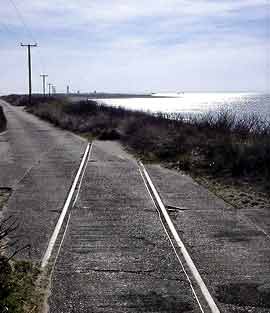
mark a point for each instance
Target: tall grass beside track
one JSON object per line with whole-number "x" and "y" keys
{"x": 218, "y": 143}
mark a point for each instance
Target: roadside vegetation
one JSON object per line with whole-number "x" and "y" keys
{"x": 18, "y": 293}
{"x": 215, "y": 145}
{"x": 19, "y": 290}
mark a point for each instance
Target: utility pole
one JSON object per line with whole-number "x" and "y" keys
{"x": 29, "y": 69}
{"x": 53, "y": 89}
{"x": 49, "y": 84}
{"x": 44, "y": 83}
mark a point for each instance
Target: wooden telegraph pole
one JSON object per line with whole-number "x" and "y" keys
{"x": 49, "y": 85}
{"x": 44, "y": 83}
{"x": 29, "y": 46}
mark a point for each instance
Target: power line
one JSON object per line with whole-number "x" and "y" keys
{"x": 4, "y": 26}
{"x": 21, "y": 18}
{"x": 7, "y": 29}
{"x": 31, "y": 36}
{"x": 29, "y": 32}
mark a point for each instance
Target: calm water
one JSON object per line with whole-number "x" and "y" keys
{"x": 190, "y": 103}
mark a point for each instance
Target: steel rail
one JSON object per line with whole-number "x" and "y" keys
{"x": 69, "y": 198}
{"x": 195, "y": 273}
{"x": 172, "y": 244}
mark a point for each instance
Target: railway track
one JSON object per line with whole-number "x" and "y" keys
{"x": 200, "y": 292}
{"x": 177, "y": 244}
{"x": 69, "y": 203}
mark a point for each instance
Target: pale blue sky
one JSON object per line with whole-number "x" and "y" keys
{"x": 138, "y": 46}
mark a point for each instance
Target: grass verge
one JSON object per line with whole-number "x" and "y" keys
{"x": 18, "y": 291}
{"x": 21, "y": 286}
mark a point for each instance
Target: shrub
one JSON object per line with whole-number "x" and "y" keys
{"x": 81, "y": 107}
{"x": 217, "y": 142}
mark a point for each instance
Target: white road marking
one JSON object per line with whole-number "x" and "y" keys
{"x": 209, "y": 299}
{"x": 57, "y": 228}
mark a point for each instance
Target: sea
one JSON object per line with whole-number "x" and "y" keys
{"x": 197, "y": 103}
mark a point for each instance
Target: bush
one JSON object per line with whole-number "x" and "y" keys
{"x": 81, "y": 107}
{"x": 110, "y": 134}
{"x": 17, "y": 278}
{"x": 217, "y": 142}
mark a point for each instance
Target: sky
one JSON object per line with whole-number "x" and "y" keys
{"x": 136, "y": 45}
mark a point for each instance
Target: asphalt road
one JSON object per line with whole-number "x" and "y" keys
{"x": 38, "y": 162}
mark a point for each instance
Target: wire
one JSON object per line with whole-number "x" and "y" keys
{"x": 29, "y": 32}
{"x": 6, "y": 29}
{"x": 27, "y": 29}
{"x": 4, "y": 26}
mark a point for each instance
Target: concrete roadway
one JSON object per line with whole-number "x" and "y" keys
{"x": 115, "y": 255}
{"x": 38, "y": 162}
{"x": 228, "y": 246}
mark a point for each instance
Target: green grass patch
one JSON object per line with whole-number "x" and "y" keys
{"x": 19, "y": 292}
{"x": 22, "y": 285}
